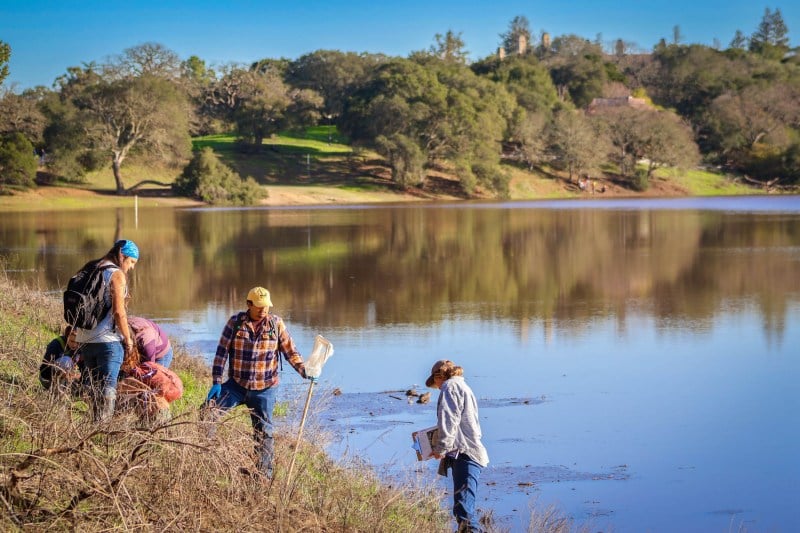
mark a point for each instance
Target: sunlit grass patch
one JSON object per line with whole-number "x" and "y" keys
{"x": 529, "y": 185}
{"x": 220, "y": 142}
{"x": 318, "y": 140}
{"x": 321, "y": 140}
{"x": 700, "y": 182}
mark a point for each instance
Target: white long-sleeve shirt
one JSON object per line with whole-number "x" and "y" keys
{"x": 459, "y": 428}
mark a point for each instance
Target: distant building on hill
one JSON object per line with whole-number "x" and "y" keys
{"x": 522, "y": 48}
{"x": 624, "y": 101}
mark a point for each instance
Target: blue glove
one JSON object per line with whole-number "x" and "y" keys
{"x": 215, "y": 392}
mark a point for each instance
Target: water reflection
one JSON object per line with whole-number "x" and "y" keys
{"x": 417, "y": 265}
{"x": 653, "y": 342}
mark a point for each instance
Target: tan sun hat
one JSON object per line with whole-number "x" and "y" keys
{"x": 437, "y": 367}
{"x": 260, "y": 297}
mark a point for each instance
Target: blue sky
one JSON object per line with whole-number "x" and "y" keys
{"x": 47, "y": 37}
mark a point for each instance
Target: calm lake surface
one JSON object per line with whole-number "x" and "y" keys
{"x": 636, "y": 361}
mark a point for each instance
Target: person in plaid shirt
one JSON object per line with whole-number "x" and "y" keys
{"x": 251, "y": 344}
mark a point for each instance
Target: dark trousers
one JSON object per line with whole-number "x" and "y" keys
{"x": 261, "y": 403}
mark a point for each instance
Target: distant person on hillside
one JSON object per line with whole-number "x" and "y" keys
{"x": 252, "y": 342}
{"x": 458, "y": 440}
{"x": 152, "y": 341}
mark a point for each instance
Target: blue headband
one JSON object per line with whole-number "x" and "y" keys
{"x": 129, "y": 249}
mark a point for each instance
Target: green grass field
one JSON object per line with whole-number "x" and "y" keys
{"x": 315, "y": 141}
{"x": 706, "y": 183}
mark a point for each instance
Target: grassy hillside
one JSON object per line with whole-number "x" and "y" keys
{"x": 318, "y": 166}
{"x": 61, "y": 471}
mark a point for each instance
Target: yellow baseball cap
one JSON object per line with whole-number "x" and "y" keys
{"x": 260, "y": 297}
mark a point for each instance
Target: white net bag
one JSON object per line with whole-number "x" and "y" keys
{"x": 320, "y": 353}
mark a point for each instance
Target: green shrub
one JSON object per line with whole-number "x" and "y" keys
{"x": 406, "y": 159}
{"x": 792, "y": 163}
{"x": 640, "y": 181}
{"x": 208, "y": 179}
{"x": 93, "y": 160}
{"x": 17, "y": 161}
{"x": 492, "y": 177}
{"x": 466, "y": 176}
{"x": 66, "y": 166}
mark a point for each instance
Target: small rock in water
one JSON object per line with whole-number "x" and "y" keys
{"x": 337, "y": 391}
{"x": 424, "y": 397}
{"x": 412, "y": 392}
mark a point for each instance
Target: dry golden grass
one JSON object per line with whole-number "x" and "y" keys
{"x": 60, "y": 471}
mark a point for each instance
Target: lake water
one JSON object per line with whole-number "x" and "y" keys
{"x": 635, "y": 361}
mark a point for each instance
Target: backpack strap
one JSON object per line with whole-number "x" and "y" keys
{"x": 274, "y": 329}
{"x": 240, "y": 318}
{"x": 237, "y": 325}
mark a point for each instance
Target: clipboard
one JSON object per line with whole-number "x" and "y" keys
{"x": 423, "y": 442}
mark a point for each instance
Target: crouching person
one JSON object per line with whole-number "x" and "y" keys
{"x": 60, "y": 370}
{"x": 149, "y": 389}
{"x": 152, "y": 342}
{"x": 251, "y": 343}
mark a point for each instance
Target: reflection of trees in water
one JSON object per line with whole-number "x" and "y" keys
{"x": 416, "y": 265}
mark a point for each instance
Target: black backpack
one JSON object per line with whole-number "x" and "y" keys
{"x": 84, "y": 300}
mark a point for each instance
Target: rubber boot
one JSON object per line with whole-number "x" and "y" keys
{"x": 107, "y": 404}
{"x": 265, "y": 450}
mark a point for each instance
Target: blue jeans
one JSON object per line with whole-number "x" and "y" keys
{"x": 102, "y": 361}
{"x": 465, "y": 487}
{"x": 261, "y": 403}
{"x": 167, "y": 359}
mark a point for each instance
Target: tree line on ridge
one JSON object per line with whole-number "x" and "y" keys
{"x": 566, "y": 103}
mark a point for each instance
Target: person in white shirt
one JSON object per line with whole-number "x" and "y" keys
{"x": 458, "y": 440}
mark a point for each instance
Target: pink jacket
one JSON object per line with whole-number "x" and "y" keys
{"x": 151, "y": 340}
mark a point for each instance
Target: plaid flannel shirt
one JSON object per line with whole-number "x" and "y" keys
{"x": 254, "y": 353}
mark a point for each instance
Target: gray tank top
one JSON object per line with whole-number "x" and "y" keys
{"x": 105, "y": 330}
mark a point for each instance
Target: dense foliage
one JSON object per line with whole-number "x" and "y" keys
{"x": 208, "y": 179}
{"x": 536, "y": 104}
{"x": 17, "y": 161}
{"x": 5, "y": 55}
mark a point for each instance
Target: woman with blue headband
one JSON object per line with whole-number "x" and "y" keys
{"x": 105, "y": 346}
